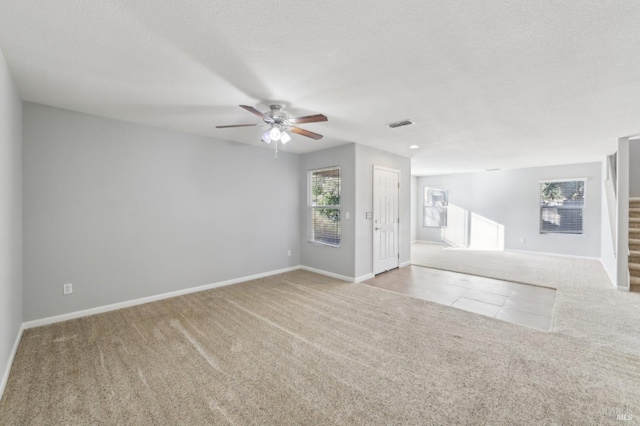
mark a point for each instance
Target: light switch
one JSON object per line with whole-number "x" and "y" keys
{"x": 346, "y": 215}
{"x": 369, "y": 215}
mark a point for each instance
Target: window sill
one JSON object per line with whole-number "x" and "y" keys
{"x": 320, "y": 243}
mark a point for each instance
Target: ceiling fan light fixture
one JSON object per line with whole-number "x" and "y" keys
{"x": 284, "y": 137}
{"x": 274, "y": 133}
{"x": 266, "y": 137}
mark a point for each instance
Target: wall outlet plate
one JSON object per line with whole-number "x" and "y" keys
{"x": 67, "y": 288}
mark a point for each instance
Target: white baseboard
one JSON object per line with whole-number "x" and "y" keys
{"x": 364, "y": 277}
{"x": 143, "y": 300}
{"x": 407, "y": 263}
{"x": 608, "y": 275}
{"x": 440, "y": 243}
{"x": 328, "y": 274}
{"x": 12, "y": 355}
{"x": 544, "y": 253}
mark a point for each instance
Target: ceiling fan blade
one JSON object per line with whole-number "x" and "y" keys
{"x": 306, "y": 133}
{"x": 238, "y": 125}
{"x": 258, "y": 113}
{"x": 309, "y": 119}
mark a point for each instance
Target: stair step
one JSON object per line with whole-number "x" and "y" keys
{"x": 635, "y": 288}
{"x": 634, "y": 212}
{"x": 634, "y": 267}
{"x": 634, "y": 231}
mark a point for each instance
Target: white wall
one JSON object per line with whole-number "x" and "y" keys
{"x": 607, "y": 248}
{"x": 337, "y": 260}
{"x": 634, "y": 168}
{"x": 623, "y": 171}
{"x": 125, "y": 211}
{"x": 366, "y": 158}
{"x": 10, "y": 218}
{"x": 511, "y": 198}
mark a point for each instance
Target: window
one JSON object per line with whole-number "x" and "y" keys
{"x": 436, "y": 201}
{"x": 561, "y": 205}
{"x": 324, "y": 206}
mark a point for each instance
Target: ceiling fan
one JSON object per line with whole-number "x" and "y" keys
{"x": 280, "y": 123}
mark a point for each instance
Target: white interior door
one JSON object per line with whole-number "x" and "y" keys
{"x": 386, "y": 223}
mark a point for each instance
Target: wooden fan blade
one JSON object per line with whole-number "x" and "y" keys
{"x": 258, "y": 113}
{"x": 306, "y": 133}
{"x": 309, "y": 119}
{"x": 238, "y": 125}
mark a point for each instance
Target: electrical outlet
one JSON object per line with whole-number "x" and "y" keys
{"x": 522, "y": 240}
{"x": 346, "y": 215}
{"x": 289, "y": 253}
{"x": 67, "y": 288}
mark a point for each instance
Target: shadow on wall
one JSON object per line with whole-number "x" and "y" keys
{"x": 472, "y": 231}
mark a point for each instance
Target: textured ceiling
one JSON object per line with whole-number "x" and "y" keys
{"x": 491, "y": 84}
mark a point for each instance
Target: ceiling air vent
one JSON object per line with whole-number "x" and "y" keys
{"x": 400, "y": 123}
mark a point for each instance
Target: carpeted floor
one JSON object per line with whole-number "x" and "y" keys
{"x": 300, "y": 348}
{"x": 527, "y": 268}
{"x": 586, "y": 307}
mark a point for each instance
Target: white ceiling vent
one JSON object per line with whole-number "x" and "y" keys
{"x": 400, "y": 123}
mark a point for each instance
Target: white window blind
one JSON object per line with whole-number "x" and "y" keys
{"x": 561, "y": 206}
{"x": 436, "y": 202}
{"x": 324, "y": 206}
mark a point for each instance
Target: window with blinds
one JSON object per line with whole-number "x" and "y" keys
{"x": 436, "y": 202}
{"x": 324, "y": 206}
{"x": 561, "y": 206}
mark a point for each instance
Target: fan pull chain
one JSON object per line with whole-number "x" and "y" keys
{"x": 276, "y": 145}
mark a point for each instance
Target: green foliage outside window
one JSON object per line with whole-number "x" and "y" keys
{"x": 561, "y": 191}
{"x": 326, "y": 192}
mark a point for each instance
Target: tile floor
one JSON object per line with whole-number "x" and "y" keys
{"x": 521, "y": 304}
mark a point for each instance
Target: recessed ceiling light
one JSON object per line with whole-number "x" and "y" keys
{"x": 414, "y": 147}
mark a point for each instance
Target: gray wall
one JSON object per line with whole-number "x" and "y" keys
{"x": 366, "y": 158}
{"x": 10, "y": 217}
{"x": 634, "y": 168}
{"x": 414, "y": 208}
{"x": 511, "y": 198}
{"x": 338, "y": 260}
{"x": 125, "y": 211}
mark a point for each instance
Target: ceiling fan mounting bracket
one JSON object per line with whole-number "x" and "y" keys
{"x": 277, "y": 115}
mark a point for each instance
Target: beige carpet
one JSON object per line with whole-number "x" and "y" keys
{"x": 300, "y": 348}
{"x": 537, "y": 269}
{"x": 587, "y": 306}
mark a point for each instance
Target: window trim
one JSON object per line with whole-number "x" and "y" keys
{"x": 582, "y": 208}
{"x": 424, "y": 206}
{"x": 310, "y": 208}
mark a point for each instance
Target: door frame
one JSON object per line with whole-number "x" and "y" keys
{"x": 373, "y": 222}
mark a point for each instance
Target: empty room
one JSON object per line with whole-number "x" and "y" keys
{"x": 321, "y": 213}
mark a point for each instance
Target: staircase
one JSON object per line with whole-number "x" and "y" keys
{"x": 634, "y": 243}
